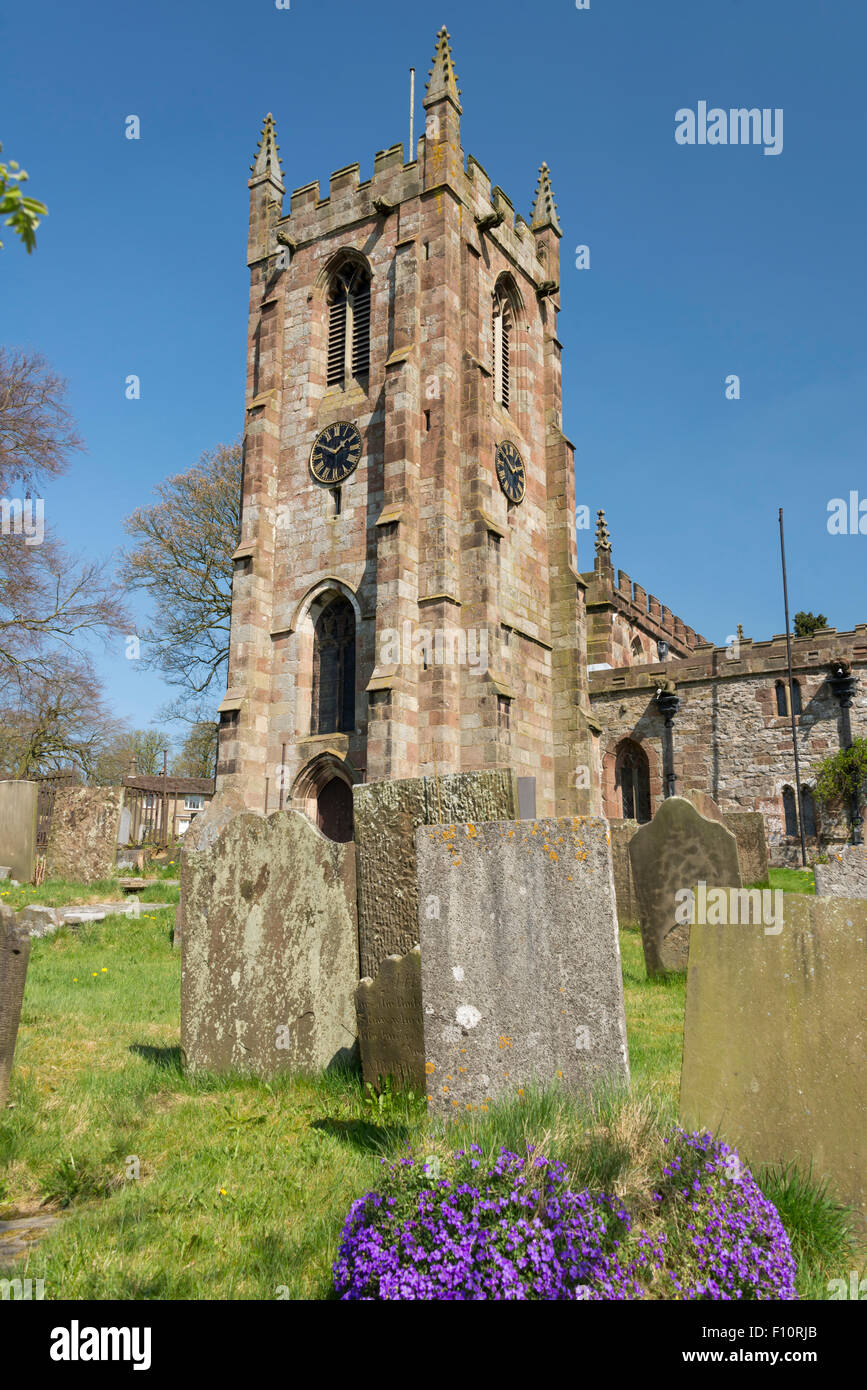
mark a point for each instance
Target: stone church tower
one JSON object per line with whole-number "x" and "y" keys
{"x": 406, "y": 600}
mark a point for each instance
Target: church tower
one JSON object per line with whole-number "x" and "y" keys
{"x": 406, "y": 600}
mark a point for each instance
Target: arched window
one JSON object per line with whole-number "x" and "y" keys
{"x": 632, "y": 776}
{"x": 637, "y": 649}
{"x": 782, "y": 702}
{"x": 334, "y": 669}
{"x": 808, "y": 810}
{"x": 796, "y": 697}
{"x": 348, "y": 302}
{"x": 504, "y": 320}
{"x": 790, "y": 810}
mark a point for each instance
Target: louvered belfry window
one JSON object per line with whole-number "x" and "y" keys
{"x": 503, "y": 322}
{"x": 348, "y": 325}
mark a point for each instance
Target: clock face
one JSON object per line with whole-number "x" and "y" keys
{"x": 335, "y": 453}
{"x": 510, "y": 471}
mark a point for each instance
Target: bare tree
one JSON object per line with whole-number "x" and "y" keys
{"x": 58, "y": 718}
{"x": 183, "y": 559}
{"x": 37, "y": 432}
{"x": 146, "y": 746}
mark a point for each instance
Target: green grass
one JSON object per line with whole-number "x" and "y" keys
{"x": 243, "y": 1185}
{"x": 793, "y": 880}
{"x": 61, "y": 892}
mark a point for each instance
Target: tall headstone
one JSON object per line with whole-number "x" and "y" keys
{"x": 845, "y": 874}
{"x": 18, "y": 809}
{"x": 82, "y": 839}
{"x": 387, "y": 815}
{"x": 775, "y": 1036}
{"x": 520, "y": 961}
{"x": 390, "y": 1034}
{"x": 621, "y": 832}
{"x": 14, "y": 958}
{"x": 672, "y": 853}
{"x": 270, "y": 947}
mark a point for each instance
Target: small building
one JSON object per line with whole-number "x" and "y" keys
{"x": 161, "y": 809}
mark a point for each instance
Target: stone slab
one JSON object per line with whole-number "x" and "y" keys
{"x": 18, "y": 827}
{"x": 520, "y": 960}
{"x": 82, "y": 838}
{"x": 676, "y": 850}
{"x": 14, "y": 958}
{"x": 748, "y": 828}
{"x": 270, "y": 947}
{"x": 621, "y": 832}
{"x": 775, "y": 1036}
{"x": 203, "y": 831}
{"x": 845, "y": 874}
{"x": 390, "y": 1032}
{"x": 387, "y": 815}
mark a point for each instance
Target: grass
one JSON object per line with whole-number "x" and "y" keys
{"x": 173, "y": 1186}
{"x": 793, "y": 880}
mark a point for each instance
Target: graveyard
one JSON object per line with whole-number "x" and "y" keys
{"x": 166, "y": 1184}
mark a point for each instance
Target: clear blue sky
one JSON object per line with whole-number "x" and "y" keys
{"x": 705, "y": 261}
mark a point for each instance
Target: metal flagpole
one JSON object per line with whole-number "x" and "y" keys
{"x": 791, "y": 701}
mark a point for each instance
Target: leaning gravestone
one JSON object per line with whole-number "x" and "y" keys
{"x": 14, "y": 957}
{"x": 390, "y": 1034}
{"x": 270, "y": 947}
{"x": 520, "y": 961}
{"x": 676, "y": 850}
{"x": 844, "y": 876}
{"x": 82, "y": 837}
{"x": 775, "y": 1038}
{"x": 387, "y": 815}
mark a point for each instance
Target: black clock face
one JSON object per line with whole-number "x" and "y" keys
{"x": 510, "y": 471}
{"x": 335, "y": 453}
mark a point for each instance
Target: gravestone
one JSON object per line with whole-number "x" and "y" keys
{"x": 18, "y": 808}
{"x": 676, "y": 850}
{"x": 202, "y": 833}
{"x": 82, "y": 838}
{"x": 14, "y": 957}
{"x": 748, "y": 828}
{"x": 621, "y": 832}
{"x": 775, "y": 1039}
{"x": 387, "y": 815}
{"x": 845, "y": 874}
{"x": 270, "y": 947}
{"x": 520, "y": 961}
{"x": 390, "y": 1034}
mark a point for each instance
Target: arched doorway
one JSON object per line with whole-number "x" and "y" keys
{"x": 632, "y": 778}
{"x": 334, "y": 810}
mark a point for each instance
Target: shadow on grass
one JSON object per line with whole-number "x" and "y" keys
{"x": 163, "y": 1058}
{"x": 364, "y": 1136}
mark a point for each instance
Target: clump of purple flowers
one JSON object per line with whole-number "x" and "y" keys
{"x": 514, "y": 1229}
{"x": 731, "y": 1243}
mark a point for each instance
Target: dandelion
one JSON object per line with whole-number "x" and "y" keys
{"x": 222, "y": 1191}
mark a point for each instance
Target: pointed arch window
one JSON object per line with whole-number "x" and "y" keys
{"x": 334, "y": 669}
{"x": 790, "y": 810}
{"x": 348, "y": 302}
{"x": 632, "y": 776}
{"x": 504, "y": 323}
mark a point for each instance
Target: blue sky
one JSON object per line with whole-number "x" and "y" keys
{"x": 704, "y": 261}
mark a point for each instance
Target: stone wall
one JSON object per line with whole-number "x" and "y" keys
{"x": 729, "y": 740}
{"x": 18, "y": 828}
{"x": 82, "y": 839}
{"x": 269, "y": 947}
{"x": 774, "y": 1040}
{"x": 387, "y": 815}
{"x": 845, "y": 874}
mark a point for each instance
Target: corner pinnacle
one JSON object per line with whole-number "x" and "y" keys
{"x": 544, "y": 208}
{"x": 267, "y": 162}
{"x": 443, "y": 80}
{"x": 603, "y": 540}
